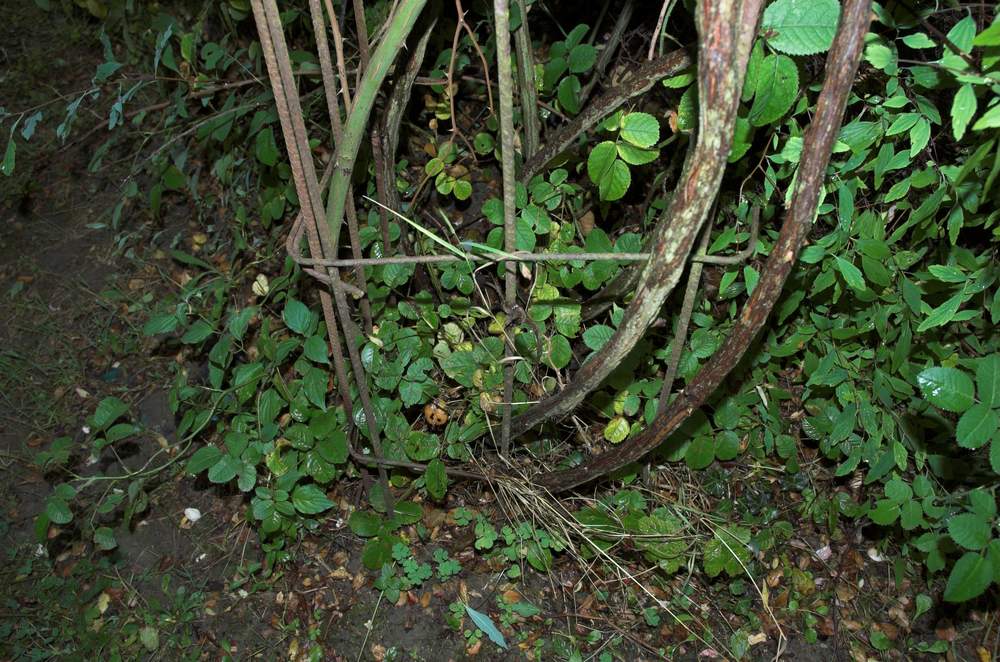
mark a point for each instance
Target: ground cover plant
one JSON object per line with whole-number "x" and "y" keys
{"x": 612, "y": 332}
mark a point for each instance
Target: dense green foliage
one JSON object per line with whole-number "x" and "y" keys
{"x": 882, "y": 358}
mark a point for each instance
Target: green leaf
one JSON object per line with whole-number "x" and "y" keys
{"x": 203, "y": 458}
{"x": 800, "y": 27}
{"x": 947, "y": 388}
{"x": 297, "y": 317}
{"x": 616, "y": 430}
{"x": 108, "y": 411}
{"x": 943, "y": 314}
{"x": 569, "y": 94}
{"x": 310, "y": 499}
{"x": 364, "y": 523}
{"x": 989, "y": 120}
{"x": 636, "y": 156}
{"x": 150, "y": 637}
{"x": 600, "y": 160}
{"x": 104, "y": 538}
{"x": 969, "y": 531}
{"x": 197, "y": 332}
{"x": 616, "y": 182}
{"x": 582, "y": 58}
{"x": 988, "y": 380}
{"x": 436, "y": 479}
{"x": 560, "y": 352}
{"x": 977, "y": 426}
{"x": 777, "y": 87}
{"x": 485, "y": 623}
{"x": 640, "y": 129}
{"x": 597, "y": 336}
{"x": 700, "y": 453}
{"x": 160, "y": 324}
{"x": 224, "y": 470}
{"x": 58, "y": 511}
{"x": 266, "y": 147}
{"x": 852, "y": 275}
{"x": 315, "y": 350}
{"x": 969, "y": 578}
{"x": 7, "y": 166}
{"x": 963, "y": 107}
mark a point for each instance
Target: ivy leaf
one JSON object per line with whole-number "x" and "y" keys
{"x": 963, "y": 107}
{"x": 777, "y": 87}
{"x": 970, "y": 577}
{"x": 800, "y": 27}
{"x": 309, "y": 499}
{"x": 485, "y": 623}
{"x": 640, "y": 129}
{"x": 947, "y": 388}
{"x": 976, "y": 426}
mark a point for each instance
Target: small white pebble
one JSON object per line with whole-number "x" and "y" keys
{"x": 874, "y": 555}
{"x": 86, "y": 429}
{"x": 193, "y": 514}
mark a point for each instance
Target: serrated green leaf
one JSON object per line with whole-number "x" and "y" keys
{"x": 963, "y": 107}
{"x": 943, "y": 314}
{"x": 977, "y": 426}
{"x": 560, "y": 352}
{"x": 800, "y": 27}
{"x": 203, "y": 458}
{"x": 616, "y": 431}
{"x": 947, "y": 388}
{"x": 597, "y": 336}
{"x": 310, "y": 499}
{"x": 615, "y": 184}
{"x": 969, "y": 578}
{"x": 988, "y": 380}
{"x": 640, "y": 129}
{"x": 224, "y": 470}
